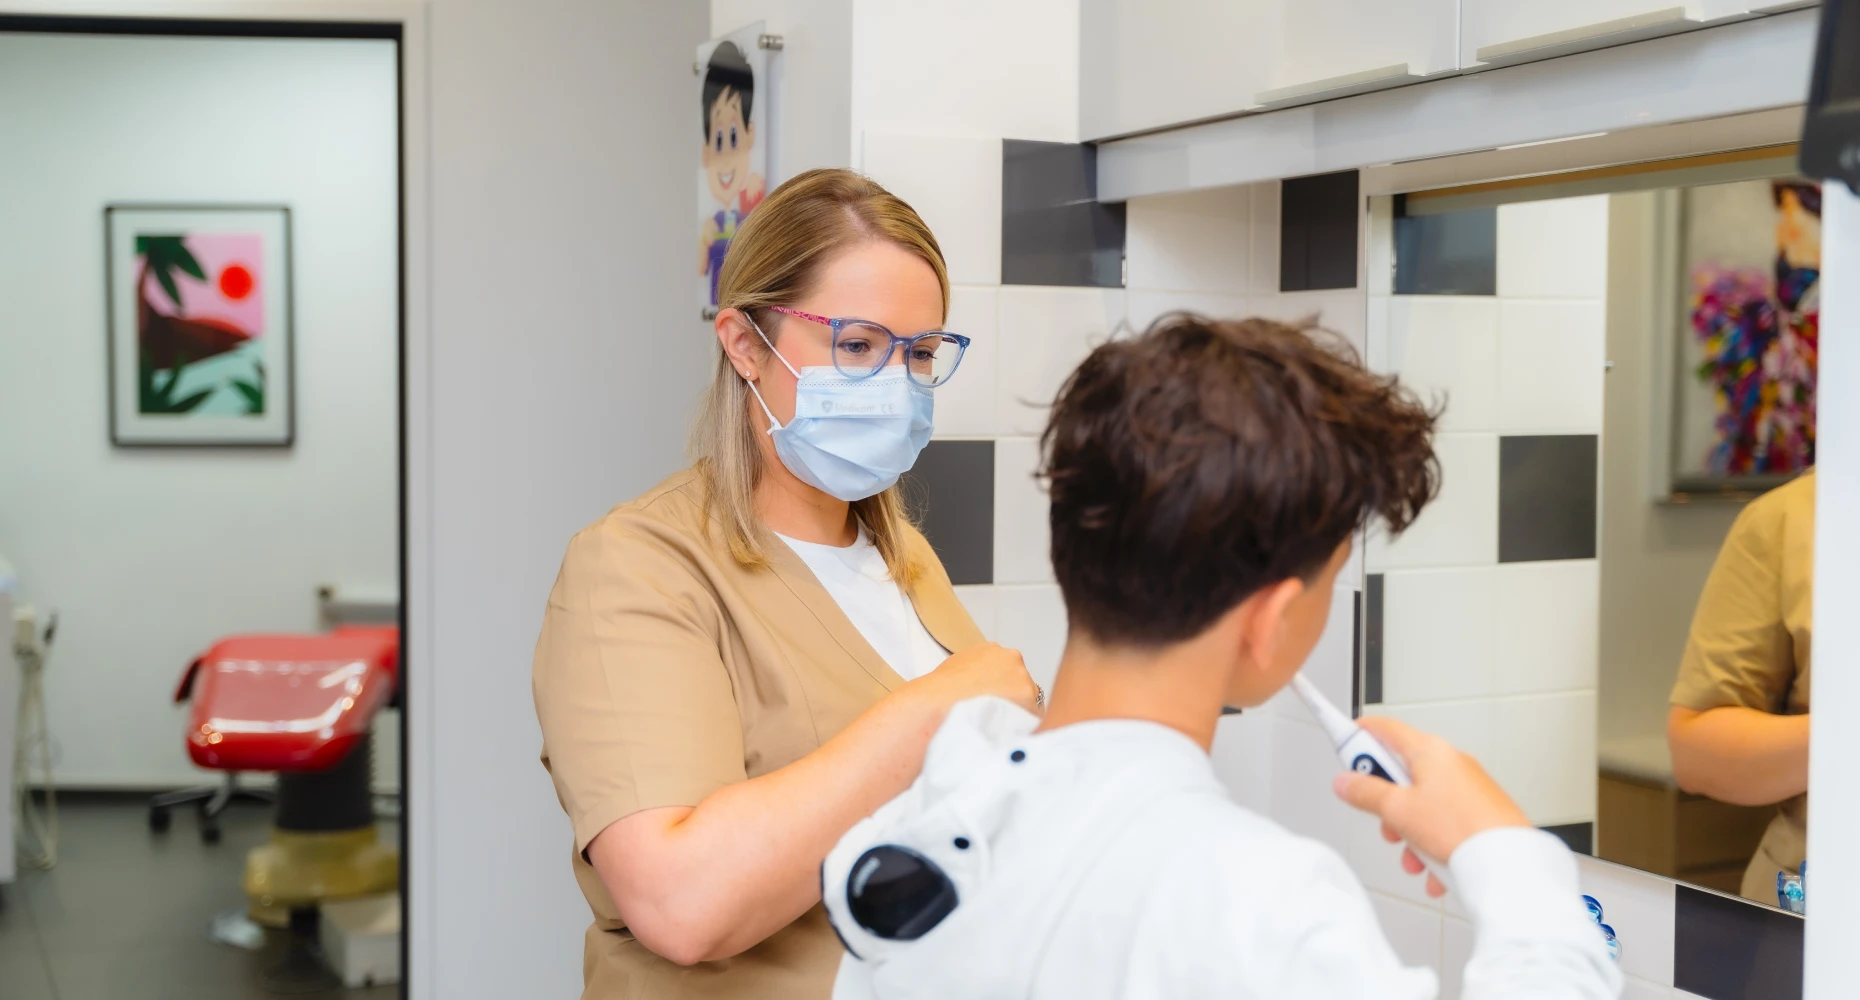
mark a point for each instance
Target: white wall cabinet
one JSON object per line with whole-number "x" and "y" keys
{"x": 1497, "y": 32}
{"x": 1146, "y": 64}
{"x": 1334, "y": 47}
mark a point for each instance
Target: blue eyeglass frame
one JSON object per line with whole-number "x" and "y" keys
{"x": 962, "y": 345}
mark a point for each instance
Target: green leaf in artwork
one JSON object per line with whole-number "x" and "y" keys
{"x": 185, "y": 259}
{"x": 254, "y": 396}
{"x": 185, "y": 405}
{"x": 167, "y": 281}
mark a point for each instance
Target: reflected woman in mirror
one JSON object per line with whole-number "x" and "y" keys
{"x": 1738, "y": 727}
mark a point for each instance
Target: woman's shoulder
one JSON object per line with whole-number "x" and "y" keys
{"x": 664, "y": 524}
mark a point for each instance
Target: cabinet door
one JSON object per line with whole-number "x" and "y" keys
{"x": 1505, "y": 30}
{"x": 1146, "y": 64}
{"x": 1332, "y": 41}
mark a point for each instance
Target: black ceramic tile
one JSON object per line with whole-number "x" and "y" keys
{"x": 1356, "y": 654}
{"x": 1579, "y": 836}
{"x": 1451, "y": 253}
{"x": 1317, "y": 232}
{"x": 1372, "y": 639}
{"x": 952, "y": 493}
{"x": 1053, "y": 229}
{"x": 1546, "y": 497}
{"x": 1733, "y": 949}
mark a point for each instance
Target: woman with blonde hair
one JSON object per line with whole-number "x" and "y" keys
{"x": 738, "y": 665}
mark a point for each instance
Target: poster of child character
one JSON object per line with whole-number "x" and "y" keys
{"x": 733, "y": 164}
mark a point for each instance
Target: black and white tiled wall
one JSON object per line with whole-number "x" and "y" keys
{"x": 1479, "y": 623}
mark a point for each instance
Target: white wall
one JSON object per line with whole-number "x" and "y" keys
{"x": 1655, "y": 557}
{"x": 150, "y": 555}
{"x": 563, "y": 367}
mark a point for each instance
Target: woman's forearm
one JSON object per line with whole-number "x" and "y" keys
{"x": 1739, "y": 755}
{"x": 704, "y": 883}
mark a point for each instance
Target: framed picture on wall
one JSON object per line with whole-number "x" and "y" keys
{"x": 733, "y": 161}
{"x": 200, "y": 340}
{"x": 1745, "y": 320}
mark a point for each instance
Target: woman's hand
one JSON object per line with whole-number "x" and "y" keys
{"x": 985, "y": 669}
{"x": 1452, "y": 797}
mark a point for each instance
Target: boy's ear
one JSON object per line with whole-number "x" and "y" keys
{"x": 1262, "y": 622}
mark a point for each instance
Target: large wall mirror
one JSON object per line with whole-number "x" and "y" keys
{"x": 1609, "y": 603}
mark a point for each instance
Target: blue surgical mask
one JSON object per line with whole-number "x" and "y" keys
{"x": 851, "y": 438}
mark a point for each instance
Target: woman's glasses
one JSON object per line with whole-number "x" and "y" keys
{"x": 862, "y": 348}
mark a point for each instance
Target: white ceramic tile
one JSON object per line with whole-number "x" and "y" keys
{"x": 1468, "y": 725}
{"x": 954, "y": 182}
{"x": 1415, "y": 931}
{"x": 1242, "y": 758}
{"x": 1379, "y": 253}
{"x": 1021, "y": 536}
{"x": 979, "y": 600}
{"x": 1332, "y": 663}
{"x": 1679, "y": 994}
{"x": 1438, "y": 634}
{"x": 1554, "y": 249}
{"x": 1378, "y": 863}
{"x": 1343, "y": 311}
{"x": 1303, "y": 766}
{"x": 1191, "y": 242}
{"x": 1640, "y": 909}
{"x": 1544, "y": 755}
{"x": 1550, "y": 357}
{"x": 965, "y": 405}
{"x": 1456, "y": 945}
{"x": 1548, "y": 626}
{"x": 1146, "y": 306}
{"x": 1445, "y": 348}
{"x": 1640, "y": 989}
{"x": 1460, "y": 528}
{"x": 1032, "y": 619}
{"x": 1265, "y": 277}
{"x": 1045, "y": 333}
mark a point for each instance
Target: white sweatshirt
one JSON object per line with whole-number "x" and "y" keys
{"x": 1108, "y": 861}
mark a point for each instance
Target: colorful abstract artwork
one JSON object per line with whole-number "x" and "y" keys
{"x": 1753, "y": 314}
{"x": 199, "y": 315}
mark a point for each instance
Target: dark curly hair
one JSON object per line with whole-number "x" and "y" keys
{"x": 1193, "y": 465}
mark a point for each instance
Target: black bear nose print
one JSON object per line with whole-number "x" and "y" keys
{"x": 898, "y": 894}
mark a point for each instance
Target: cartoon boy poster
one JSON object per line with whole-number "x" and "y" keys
{"x": 733, "y": 164}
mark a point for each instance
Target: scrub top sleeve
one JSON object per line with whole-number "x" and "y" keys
{"x": 1738, "y": 651}
{"x": 636, "y": 706}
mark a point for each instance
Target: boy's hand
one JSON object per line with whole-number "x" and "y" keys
{"x": 1451, "y": 799}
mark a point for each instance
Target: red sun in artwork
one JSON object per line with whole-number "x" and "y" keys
{"x": 235, "y": 282}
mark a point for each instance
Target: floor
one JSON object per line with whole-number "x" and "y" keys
{"x": 125, "y": 912}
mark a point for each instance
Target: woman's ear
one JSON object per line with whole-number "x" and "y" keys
{"x": 740, "y": 341}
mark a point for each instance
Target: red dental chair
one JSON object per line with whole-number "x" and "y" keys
{"x": 301, "y": 706}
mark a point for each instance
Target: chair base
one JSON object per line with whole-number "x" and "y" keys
{"x": 298, "y": 869}
{"x": 210, "y": 800}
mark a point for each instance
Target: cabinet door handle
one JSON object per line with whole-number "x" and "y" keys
{"x": 1589, "y": 36}
{"x": 1336, "y": 86}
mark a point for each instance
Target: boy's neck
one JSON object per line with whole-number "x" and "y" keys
{"x": 1180, "y": 686}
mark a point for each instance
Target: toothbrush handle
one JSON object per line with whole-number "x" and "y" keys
{"x": 1365, "y": 754}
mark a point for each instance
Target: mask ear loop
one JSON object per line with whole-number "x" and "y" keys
{"x": 774, "y": 425}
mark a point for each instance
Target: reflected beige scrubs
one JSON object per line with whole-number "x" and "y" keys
{"x": 665, "y": 671}
{"x": 1749, "y": 645}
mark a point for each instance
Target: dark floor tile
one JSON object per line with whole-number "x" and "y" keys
{"x": 1546, "y": 497}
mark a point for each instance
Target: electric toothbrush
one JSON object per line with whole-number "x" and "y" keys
{"x": 1359, "y": 751}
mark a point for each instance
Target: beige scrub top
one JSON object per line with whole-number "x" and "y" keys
{"x": 1749, "y": 645}
{"x": 665, "y": 671}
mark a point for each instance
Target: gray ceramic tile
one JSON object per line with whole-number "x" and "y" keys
{"x": 1546, "y": 497}
{"x": 1053, "y": 230}
{"x": 1579, "y": 836}
{"x": 952, "y": 493}
{"x": 24, "y": 975}
{"x": 1318, "y": 219}
{"x": 1371, "y": 632}
{"x": 1733, "y": 949}
{"x": 1451, "y": 253}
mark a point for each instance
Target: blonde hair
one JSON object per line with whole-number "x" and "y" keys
{"x": 774, "y": 260}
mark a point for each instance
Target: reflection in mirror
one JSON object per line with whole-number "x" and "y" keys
{"x": 1609, "y": 603}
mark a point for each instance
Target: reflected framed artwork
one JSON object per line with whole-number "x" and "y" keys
{"x": 200, "y": 340}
